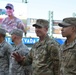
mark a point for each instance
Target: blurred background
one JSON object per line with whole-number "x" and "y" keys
{"x": 30, "y": 10}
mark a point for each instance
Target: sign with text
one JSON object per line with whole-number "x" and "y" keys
{"x": 24, "y": 40}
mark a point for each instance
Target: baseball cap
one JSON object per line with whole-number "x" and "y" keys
{"x": 69, "y": 21}
{"x": 9, "y": 5}
{"x": 17, "y": 32}
{"x": 41, "y": 23}
{"x": 2, "y": 31}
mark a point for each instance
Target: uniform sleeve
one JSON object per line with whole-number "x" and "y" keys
{"x": 8, "y": 49}
{"x": 54, "y": 57}
{"x": 2, "y": 22}
{"x": 22, "y": 26}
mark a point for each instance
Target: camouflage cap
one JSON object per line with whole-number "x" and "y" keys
{"x": 41, "y": 23}
{"x": 17, "y": 32}
{"x": 9, "y": 5}
{"x": 2, "y": 31}
{"x": 70, "y": 21}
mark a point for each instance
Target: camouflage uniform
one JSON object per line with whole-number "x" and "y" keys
{"x": 5, "y": 50}
{"x": 44, "y": 57}
{"x": 68, "y": 58}
{"x": 68, "y": 49}
{"x": 14, "y": 23}
{"x": 15, "y": 68}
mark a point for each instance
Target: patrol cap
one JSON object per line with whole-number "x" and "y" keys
{"x": 2, "y": 31}
{"x": 41, "y": 23}
{"x": 17, "y": 32}
{"x": 69, "y": 21}
{"x": 9, "y": 5}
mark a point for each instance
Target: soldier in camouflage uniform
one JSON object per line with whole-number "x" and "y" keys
{"x": 44, "y": 54}
{"x": 5, "y": 51}
{"x": 15, "y": 68}
{"x": 11, "y": 22}
{"x": 68, "y": 49}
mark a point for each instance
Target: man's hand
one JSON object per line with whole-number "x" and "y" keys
{"x": 18, "y": 57}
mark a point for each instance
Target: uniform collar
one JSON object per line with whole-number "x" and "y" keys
{"x": 70, "y": 45}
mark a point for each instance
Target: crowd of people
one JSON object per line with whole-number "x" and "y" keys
{"x": 46, "y": 56}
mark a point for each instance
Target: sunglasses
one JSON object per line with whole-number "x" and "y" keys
{"x": 9, "y": 8}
